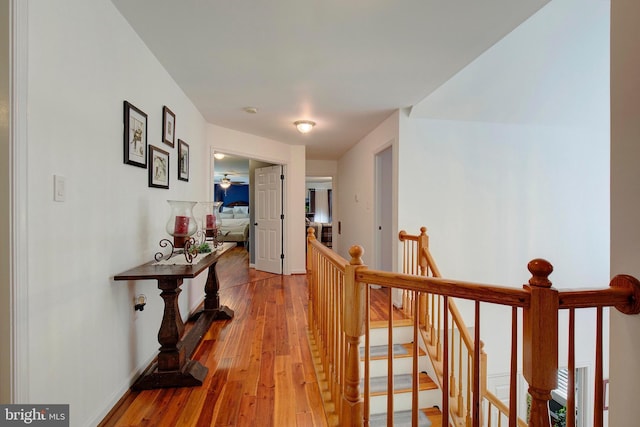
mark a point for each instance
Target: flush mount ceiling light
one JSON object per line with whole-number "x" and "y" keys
{"x": 304, "y": 126}
{"x": 218, "y": 156}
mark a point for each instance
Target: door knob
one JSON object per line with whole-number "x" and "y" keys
{"x": 255, "y": 223}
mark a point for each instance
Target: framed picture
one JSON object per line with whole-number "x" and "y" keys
{"x": 158, "y": 167}
{"x": 168, "y": 126}
{"x": 183, "y": 160}
{"x": 135, "y": 136}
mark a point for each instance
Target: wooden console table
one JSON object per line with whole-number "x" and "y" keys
{"x": 174, "y": 367}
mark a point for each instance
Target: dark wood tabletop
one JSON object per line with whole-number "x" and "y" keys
{"x": 177, "y": 271}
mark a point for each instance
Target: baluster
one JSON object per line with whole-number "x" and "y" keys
{"x": 415, "y": 407}
{"x": 452, "y": 375}
{"x": 445, "y": 363}
{"x": 476, "y": 368}
{"x": 367, "y": 355}
{"x": 540, "y": 341}
{"x": 513, "y": 412}
{"x": 571, "y": 385}
{"x": 390, "y": 386}
{"x": 598, "y": 393}
{"x": 461, "y": 380}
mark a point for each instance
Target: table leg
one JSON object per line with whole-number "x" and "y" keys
{"x": 173, "y": 367}
{"x": 212, "y": 296}
{"x": 170, "y": 358}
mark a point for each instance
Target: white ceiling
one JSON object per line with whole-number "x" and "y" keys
{"x": 347, "y": 65}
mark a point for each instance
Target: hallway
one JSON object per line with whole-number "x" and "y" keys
{"x": 260, "y": 367}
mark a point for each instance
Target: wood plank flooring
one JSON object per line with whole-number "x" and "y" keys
{"x": 261, "y": 370}
{"x": 260, "y": 367}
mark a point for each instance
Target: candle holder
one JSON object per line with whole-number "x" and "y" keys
{"x": 210, "y": 221}
{"x": 181, "y": 225}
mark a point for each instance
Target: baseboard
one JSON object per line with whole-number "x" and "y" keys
{"x": 121, "y": 394}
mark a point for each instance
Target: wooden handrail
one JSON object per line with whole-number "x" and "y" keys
{"x": 495, "y": 294}
{"x": 336, "y": 260}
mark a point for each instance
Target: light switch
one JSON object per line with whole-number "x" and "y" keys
{"x": 59, "y": 188}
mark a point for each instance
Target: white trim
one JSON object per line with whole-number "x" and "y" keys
{"x": 286, "y": 267}
{"x": 19, "y": 274}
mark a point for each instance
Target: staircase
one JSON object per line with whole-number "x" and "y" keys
{"x": 429, "y": 396}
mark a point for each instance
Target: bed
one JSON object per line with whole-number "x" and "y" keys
{"x": 234, "y": 222}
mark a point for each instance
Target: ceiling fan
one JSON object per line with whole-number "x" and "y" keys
{"x": 225, "y": 182}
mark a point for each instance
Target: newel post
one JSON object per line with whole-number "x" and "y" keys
{"x": 311, "y": 276}
{"x": 354, "y": 317}
{"x": 423, "y": 263}
{"x": 540, "y": 341}
{"x": 423, "y": 247}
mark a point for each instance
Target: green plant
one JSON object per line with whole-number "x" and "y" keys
{"x": 202, "y": 248}
{"x": 562, "y": 417}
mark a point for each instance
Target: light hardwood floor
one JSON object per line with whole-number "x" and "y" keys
{"x": 260, "y": 367}
{"x": 261, "y": 371}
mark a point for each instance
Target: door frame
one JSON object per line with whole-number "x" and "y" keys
{"x": 16, "y": 343}
{"x": 379, "y": 200}
{"x": 286, "y": 266}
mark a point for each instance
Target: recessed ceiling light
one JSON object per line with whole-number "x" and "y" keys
{"x": 304, "y": 126}
{"x": 250, "y": 110}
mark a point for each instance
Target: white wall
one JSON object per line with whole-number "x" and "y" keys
{"x": 356, "y": 195}
{"x": 293, "y": 156}
{"x": 508, "y": 161}
{"x": 625, "y": 204}
{"x": 85, "y": 343}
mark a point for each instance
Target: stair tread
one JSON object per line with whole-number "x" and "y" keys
{"x": 401, "y": 382}
{"x": 378, "y": 352}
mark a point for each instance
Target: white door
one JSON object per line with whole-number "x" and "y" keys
{"x": 268, "y": 219}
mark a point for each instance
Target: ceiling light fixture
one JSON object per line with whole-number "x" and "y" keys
{"x": 304, "y": 126}
{"x": 225, "y": 182}
{"x": 218, "y": 156}
{"x": 250, "y": 110}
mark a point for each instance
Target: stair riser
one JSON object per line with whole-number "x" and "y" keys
{"x": 401, "y": 365}
{"x": 379, "y": 336}
{"x": 402, "y": 401}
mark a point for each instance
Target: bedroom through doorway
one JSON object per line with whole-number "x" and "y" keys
{"x": 233, "y": 178}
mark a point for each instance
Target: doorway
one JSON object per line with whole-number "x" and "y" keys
{"x": 383, "y": 241}
{"x": 240, "y": 171}
{"x": 319, "y": 207}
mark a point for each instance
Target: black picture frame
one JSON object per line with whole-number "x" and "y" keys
{"x": 168, "y": 127}
{"x": 158, "y": 167}
{"x": 135, "y": 136}
{"x": 183, "y": 160}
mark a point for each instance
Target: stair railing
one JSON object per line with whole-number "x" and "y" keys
{"x": 417, "y": 260}
{"x": 338, "y": 294}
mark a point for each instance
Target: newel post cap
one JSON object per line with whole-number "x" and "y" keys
{"x": 356, "y": 252}
{"x": 540, "y": 270}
